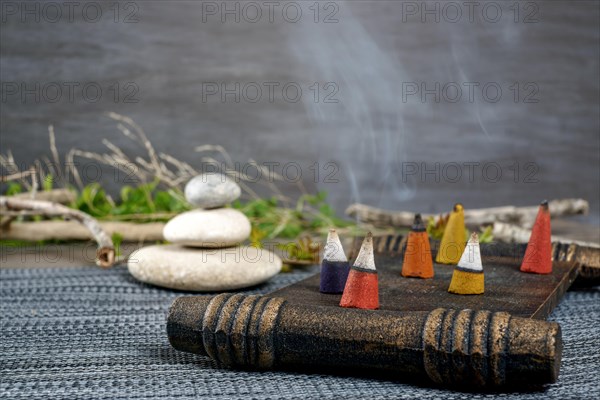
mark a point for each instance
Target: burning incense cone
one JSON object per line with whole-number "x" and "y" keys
{"x": 467, "y": 277}
{"x": 417, "y": 256}
{"x": 538, "y": 256}
{"x": 453, "y": 241}
{"x": 362, "y": 286}
{"x": 335, "y": 266}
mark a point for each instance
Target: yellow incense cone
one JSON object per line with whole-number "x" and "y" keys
{"x": 453, "y": 241}
{"x": 467, "y": 277}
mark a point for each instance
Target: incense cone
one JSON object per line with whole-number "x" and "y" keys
{"x": 362, "y": 286}
{"x": 538, "y": 256}
{"x": 453, "y": 241}
{"x": 467, "y": 277}
{"x": 417, "y": 256}
{"x": 335, "y": 266}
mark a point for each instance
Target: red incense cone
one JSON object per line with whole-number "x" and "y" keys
{"x": 417, "y": 256}
{"x": 538, "y": 256}
{"x": 362, "y": 286}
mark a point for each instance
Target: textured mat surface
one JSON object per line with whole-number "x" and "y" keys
{"x": 85, "y": 333}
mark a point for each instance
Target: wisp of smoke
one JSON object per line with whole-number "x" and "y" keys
{"x": 363, "y": 131}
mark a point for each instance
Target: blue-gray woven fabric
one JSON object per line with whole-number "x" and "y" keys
{"x": 86, "y": 333}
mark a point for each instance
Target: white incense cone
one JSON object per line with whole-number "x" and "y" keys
{"x": 467, "y": 277}
{"x": 471, "y": 257}
{"x": 335, "y": 267}
{"x": 333, "y": 249}
{"x": 362, "y": 286}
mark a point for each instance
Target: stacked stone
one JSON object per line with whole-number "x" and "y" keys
{"x": 206, "y": 251}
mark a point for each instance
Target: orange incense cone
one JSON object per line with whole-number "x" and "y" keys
{"x": 467, "y": 277}
{"x": 454, "y": 239}
{"x": 417, "y": 256}
{"x": 362, "y": 286}
{"x": 538, "y": 256}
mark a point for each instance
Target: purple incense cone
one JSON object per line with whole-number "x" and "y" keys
{"x": 335, "y": 266}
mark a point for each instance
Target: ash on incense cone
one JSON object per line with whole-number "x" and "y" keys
{"x": 467, "y": 277}
{"x": 417, "y": 256}
{"x": 538, "y": 256}
{"x": 362, "y": 286}
{"x": 453, "y": 241}
{"x": 335, "y": 266}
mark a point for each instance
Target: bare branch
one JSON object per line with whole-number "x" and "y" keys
{"x": 72, "y": 230}
{"x": 510, "y": 233}
{"x": 16, "y": 176}
{"x": 219, "y": 149}
{"x": 521, "y": 216}
{"x": 106, "y": 251}
{"x": 54, "y": 150}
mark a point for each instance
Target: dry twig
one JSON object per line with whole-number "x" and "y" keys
{"x": 71, "y": 230}
{"x": 510, "y": 233}
{"x": 106, "y": 251}
{"x": 520, "y": 216}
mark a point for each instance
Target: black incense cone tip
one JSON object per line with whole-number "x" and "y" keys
{"x": 544, "y": 204}
{"x": 458, "y": 207}
{"x": 418, "y": 225}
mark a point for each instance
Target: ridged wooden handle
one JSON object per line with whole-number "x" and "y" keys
{"x": 490, "y": 349}
{"x": 461, "y": 348}
{"x": 240, "y": 330}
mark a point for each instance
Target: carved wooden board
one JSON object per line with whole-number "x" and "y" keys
{"x": 506, "y": 288}
{"x": 419, "y": 331}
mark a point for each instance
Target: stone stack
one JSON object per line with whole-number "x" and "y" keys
{"x": 206, "y": 251}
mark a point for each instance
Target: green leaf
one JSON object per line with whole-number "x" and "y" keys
{"x": 291, "y": 230}
{"x": 93, "y": 200}
{"x": 327, "y": 210}
{"x": 48, "y": 183}
{"x": 125, "y": 191}
{"x": 14, "y": 188}
{"x": 117, "y": 239}
{"x": 486, "y": 235}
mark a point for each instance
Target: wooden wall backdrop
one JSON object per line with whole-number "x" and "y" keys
{"x": 170, "y": 53}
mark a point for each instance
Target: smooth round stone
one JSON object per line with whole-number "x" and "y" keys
{"x": 211, "y": 190}
{"x": 203, "y": 270}
{"x": 222, "y": 227}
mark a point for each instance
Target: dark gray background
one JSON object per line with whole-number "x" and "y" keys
{"x": 373, "y": 51}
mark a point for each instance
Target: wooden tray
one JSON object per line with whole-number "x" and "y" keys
{"x": 421, "y": 332}
{"x": 506, "y": 288}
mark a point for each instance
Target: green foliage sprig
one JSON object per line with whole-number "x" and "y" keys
{"x": 142, "y": 203}
{"x": 271, "y": 220}
{"x": 269, "y": 217}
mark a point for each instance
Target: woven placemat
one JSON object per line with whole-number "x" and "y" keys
{"x": 86, "y": 333}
